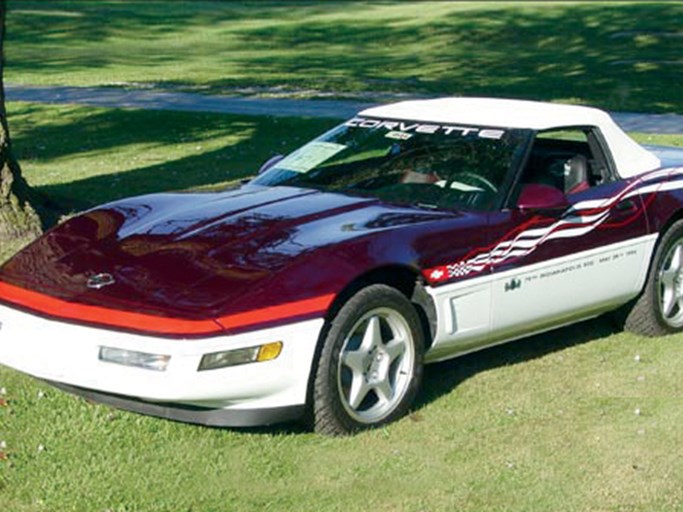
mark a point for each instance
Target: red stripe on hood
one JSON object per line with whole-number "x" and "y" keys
{"x": 158, "y": 324}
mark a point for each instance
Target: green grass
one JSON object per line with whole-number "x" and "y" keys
{"x": 83, "y": 156}
{"x": 545, "y": 423}
{"x": 616, "y": 55}
{"x": 658, "y": 139}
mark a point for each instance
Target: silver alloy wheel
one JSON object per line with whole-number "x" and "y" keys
{"x": 376, "y": 365}
{"x": 670, "y": 285}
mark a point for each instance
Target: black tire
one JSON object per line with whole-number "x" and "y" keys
{"x": 659, "y": 309}
{"x": 363, "y": 385}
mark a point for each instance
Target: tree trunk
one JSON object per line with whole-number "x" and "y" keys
{"x": 19, "y": 223}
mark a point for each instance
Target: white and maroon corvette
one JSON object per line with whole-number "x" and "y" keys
{"x": 412, "y": 233}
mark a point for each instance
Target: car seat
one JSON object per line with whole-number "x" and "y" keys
{"x": 576, "y": 175}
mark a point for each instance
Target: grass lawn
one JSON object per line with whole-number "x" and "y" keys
{"x": 616, "y": 55}
{"x": 571, "y": 420}
{"x": 566, "y": 421}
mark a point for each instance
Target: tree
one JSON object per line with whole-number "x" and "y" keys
{"x": 19, "y": 222}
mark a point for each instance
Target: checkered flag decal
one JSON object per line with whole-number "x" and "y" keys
{"x": 459, "y": 269}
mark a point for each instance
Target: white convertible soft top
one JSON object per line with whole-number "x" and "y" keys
{"x": 629, "y": 157}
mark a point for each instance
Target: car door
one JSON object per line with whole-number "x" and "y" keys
{"x": 556, "y": 263}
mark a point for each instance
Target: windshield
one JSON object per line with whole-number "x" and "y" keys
{"x": 429, "y": 165}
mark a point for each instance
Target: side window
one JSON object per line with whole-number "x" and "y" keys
{"x": 570, "y": 160}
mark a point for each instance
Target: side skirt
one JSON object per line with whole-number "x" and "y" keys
{"x": 438, "y": 357}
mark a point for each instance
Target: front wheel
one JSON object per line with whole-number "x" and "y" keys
{"x": 659, "y": 309}
{"x": 370, "y": 365}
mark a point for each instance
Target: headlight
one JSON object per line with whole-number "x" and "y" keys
{"x": 156, "y": 362}
{"x": 239, "y": 356}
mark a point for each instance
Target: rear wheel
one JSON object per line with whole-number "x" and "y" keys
{"x": 370, "y": 366}
{"x": 659, "y": 309}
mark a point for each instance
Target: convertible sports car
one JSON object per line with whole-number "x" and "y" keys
{"x": 412, "y": 233}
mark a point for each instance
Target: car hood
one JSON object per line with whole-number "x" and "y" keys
{"x": 205, "y": 255}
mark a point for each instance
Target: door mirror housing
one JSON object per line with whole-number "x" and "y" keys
{"x": 270, "y": 163}
{"x": 536, "y": 196}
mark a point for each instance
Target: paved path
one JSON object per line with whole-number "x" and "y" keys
{"x": 191, "y": 102}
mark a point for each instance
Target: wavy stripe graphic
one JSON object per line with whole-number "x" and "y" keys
{"x": 579, "y": 220}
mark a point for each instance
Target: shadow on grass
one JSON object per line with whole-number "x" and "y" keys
{"x": 103, "y": 140}
{"x": 621, "y": 57}
{"x": 615, "y": 57}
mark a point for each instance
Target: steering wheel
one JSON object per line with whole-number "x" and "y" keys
{"x": 474, "y": 180}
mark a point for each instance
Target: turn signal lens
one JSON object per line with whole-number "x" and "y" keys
{"x": 240, "y": 356}
{"x": 269, "y": 351}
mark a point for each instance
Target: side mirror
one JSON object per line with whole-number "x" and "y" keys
{"x": 270, "y": 163}
{"x": 536, "y": 196}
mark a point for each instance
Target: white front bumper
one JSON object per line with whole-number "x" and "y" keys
{"x": 68, "y": 353}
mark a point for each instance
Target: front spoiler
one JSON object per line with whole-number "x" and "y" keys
{"x": 189, "y": 413}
